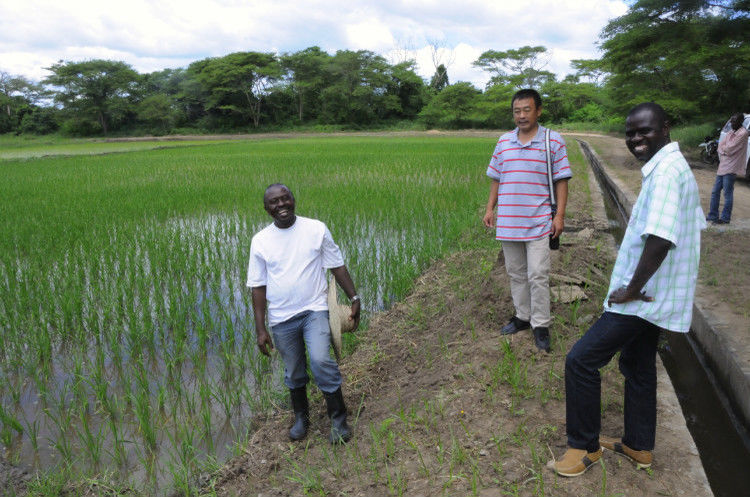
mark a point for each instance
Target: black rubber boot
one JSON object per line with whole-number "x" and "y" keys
{"x": 298, "y": 431}
{"x": 340, "y": 431}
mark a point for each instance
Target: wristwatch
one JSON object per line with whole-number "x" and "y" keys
{"x": 353, "y": 299}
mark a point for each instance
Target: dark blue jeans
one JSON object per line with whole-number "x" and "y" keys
{"x": 725, "y": 182}
{"x": 636, "y": 339}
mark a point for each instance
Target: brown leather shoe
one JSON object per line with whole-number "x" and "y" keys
{"x": 574, "y": 462}
{"x": 641, "y": 458}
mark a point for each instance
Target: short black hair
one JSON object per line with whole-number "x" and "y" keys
{"x": 527, "y": 93}
{"x": 656, "y": 109}
{"x": 273, "y": 185}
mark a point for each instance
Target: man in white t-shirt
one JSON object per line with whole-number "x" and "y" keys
{"x": 287, "y": 267}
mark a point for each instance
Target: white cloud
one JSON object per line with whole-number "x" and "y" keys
{"x": 369, "y": 35}
{"x": 156, "y": 34}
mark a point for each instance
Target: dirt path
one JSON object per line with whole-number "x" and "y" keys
{"x": 443, "y": 405}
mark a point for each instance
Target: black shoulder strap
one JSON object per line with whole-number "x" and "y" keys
{"x": 548, "y": 153}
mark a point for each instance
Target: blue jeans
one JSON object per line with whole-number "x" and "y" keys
{"x": 636, "y": 340}
{"x": 307, "y": 329}
{"x": 725, "y": 181}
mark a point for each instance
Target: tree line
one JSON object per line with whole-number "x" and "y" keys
{"x": 691, "y": 56}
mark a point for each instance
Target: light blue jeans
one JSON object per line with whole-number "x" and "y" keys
{"x": 307, "y": 329}
{"x": 725, "y": 182}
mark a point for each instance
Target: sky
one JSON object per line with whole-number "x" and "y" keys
{"x": 152, "y": 35}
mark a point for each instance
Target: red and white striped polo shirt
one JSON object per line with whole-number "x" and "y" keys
{"x": 523, "y": 204}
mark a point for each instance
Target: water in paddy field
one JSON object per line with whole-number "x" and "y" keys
{"x": 149, "y": 361}
{"x": 140, "y": 357}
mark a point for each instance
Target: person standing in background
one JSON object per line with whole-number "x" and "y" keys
{"x": 732, "y": 162}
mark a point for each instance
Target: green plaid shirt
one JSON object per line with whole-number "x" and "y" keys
{"x": 668, "y": 207}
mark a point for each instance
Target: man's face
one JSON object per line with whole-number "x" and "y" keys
{"x": 736, "y": 121}
{"x": 526, "y": 114}
{"x": 279, "y": 203}
{"x": 644, "y": 134}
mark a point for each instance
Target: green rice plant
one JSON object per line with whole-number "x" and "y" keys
{"x": 138, "y": 258}
{"x": 183, "y": 462}
{"x": 92, "y": 442}
{"x": 31, "y": 428}
{"x": 140, "y": 399}
{"x": 537, "y": 468}
{"x": 356, "y": 459}
{"x": 396, "y": 481}
{"x": 9, "y": 424}
{"x": 308, "y": 478}
{"x": 334, "y": 463}
{"x": 118, "y": 453}
{"x": 206, "y": 414}
{"x": 422, "y": 465}
{"x": 510, "y": 370}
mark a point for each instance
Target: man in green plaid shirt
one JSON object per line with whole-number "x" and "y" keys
{"x": 652, "y": 287}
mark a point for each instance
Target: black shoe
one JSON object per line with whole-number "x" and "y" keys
{"x": 298, "y": 431}
{"x": 514, "y": 326}
{"x": 721, "y": 221}
{"x": 340, "y": 431}
{"x": 541, "y": 338}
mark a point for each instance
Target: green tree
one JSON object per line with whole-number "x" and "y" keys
{"x": 454, "y": 107}
{"x": 493, "y": 108}
{"x": 156, "y": 111}
{"x": 591, "y": 70}
{"x": 101, "y": 90}
{"x": 691, "y": 56}
{"x": 39, "y": 120}
{"x": 305, "y": 73}
{"x": 405, "y": 92}
{"x": 161, "y": 103}
{"x": 237, "y": 84}
{"x": 563, "y": 100}
{"x": 522, "y": 67}
{"x": 18, "y": 95}
{"x": 356, "y": 88}
{"x": 440, "y": 78}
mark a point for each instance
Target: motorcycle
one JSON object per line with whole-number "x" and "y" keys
{"x": 710, "y": 151}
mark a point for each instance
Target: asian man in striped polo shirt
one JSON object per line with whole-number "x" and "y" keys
{"x": 523, "y": 220}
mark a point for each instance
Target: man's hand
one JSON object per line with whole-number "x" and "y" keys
{"x": 265, "y": 344}
{"x": 623, "y": 295}
{"x": 489, "y": 219}
{"x": 654, "y": 252}
{"x": 558, "y": 225}
{"x": 356, "y": 307}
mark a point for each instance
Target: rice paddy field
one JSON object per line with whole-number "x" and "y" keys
{"x": 127, "y": 346}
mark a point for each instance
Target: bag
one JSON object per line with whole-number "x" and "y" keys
{"x": 554, "y": 243}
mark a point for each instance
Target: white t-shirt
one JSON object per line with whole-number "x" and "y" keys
{"x": 291, "y": 264}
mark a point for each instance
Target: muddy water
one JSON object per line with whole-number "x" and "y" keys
{"x": 723, "y": 442}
